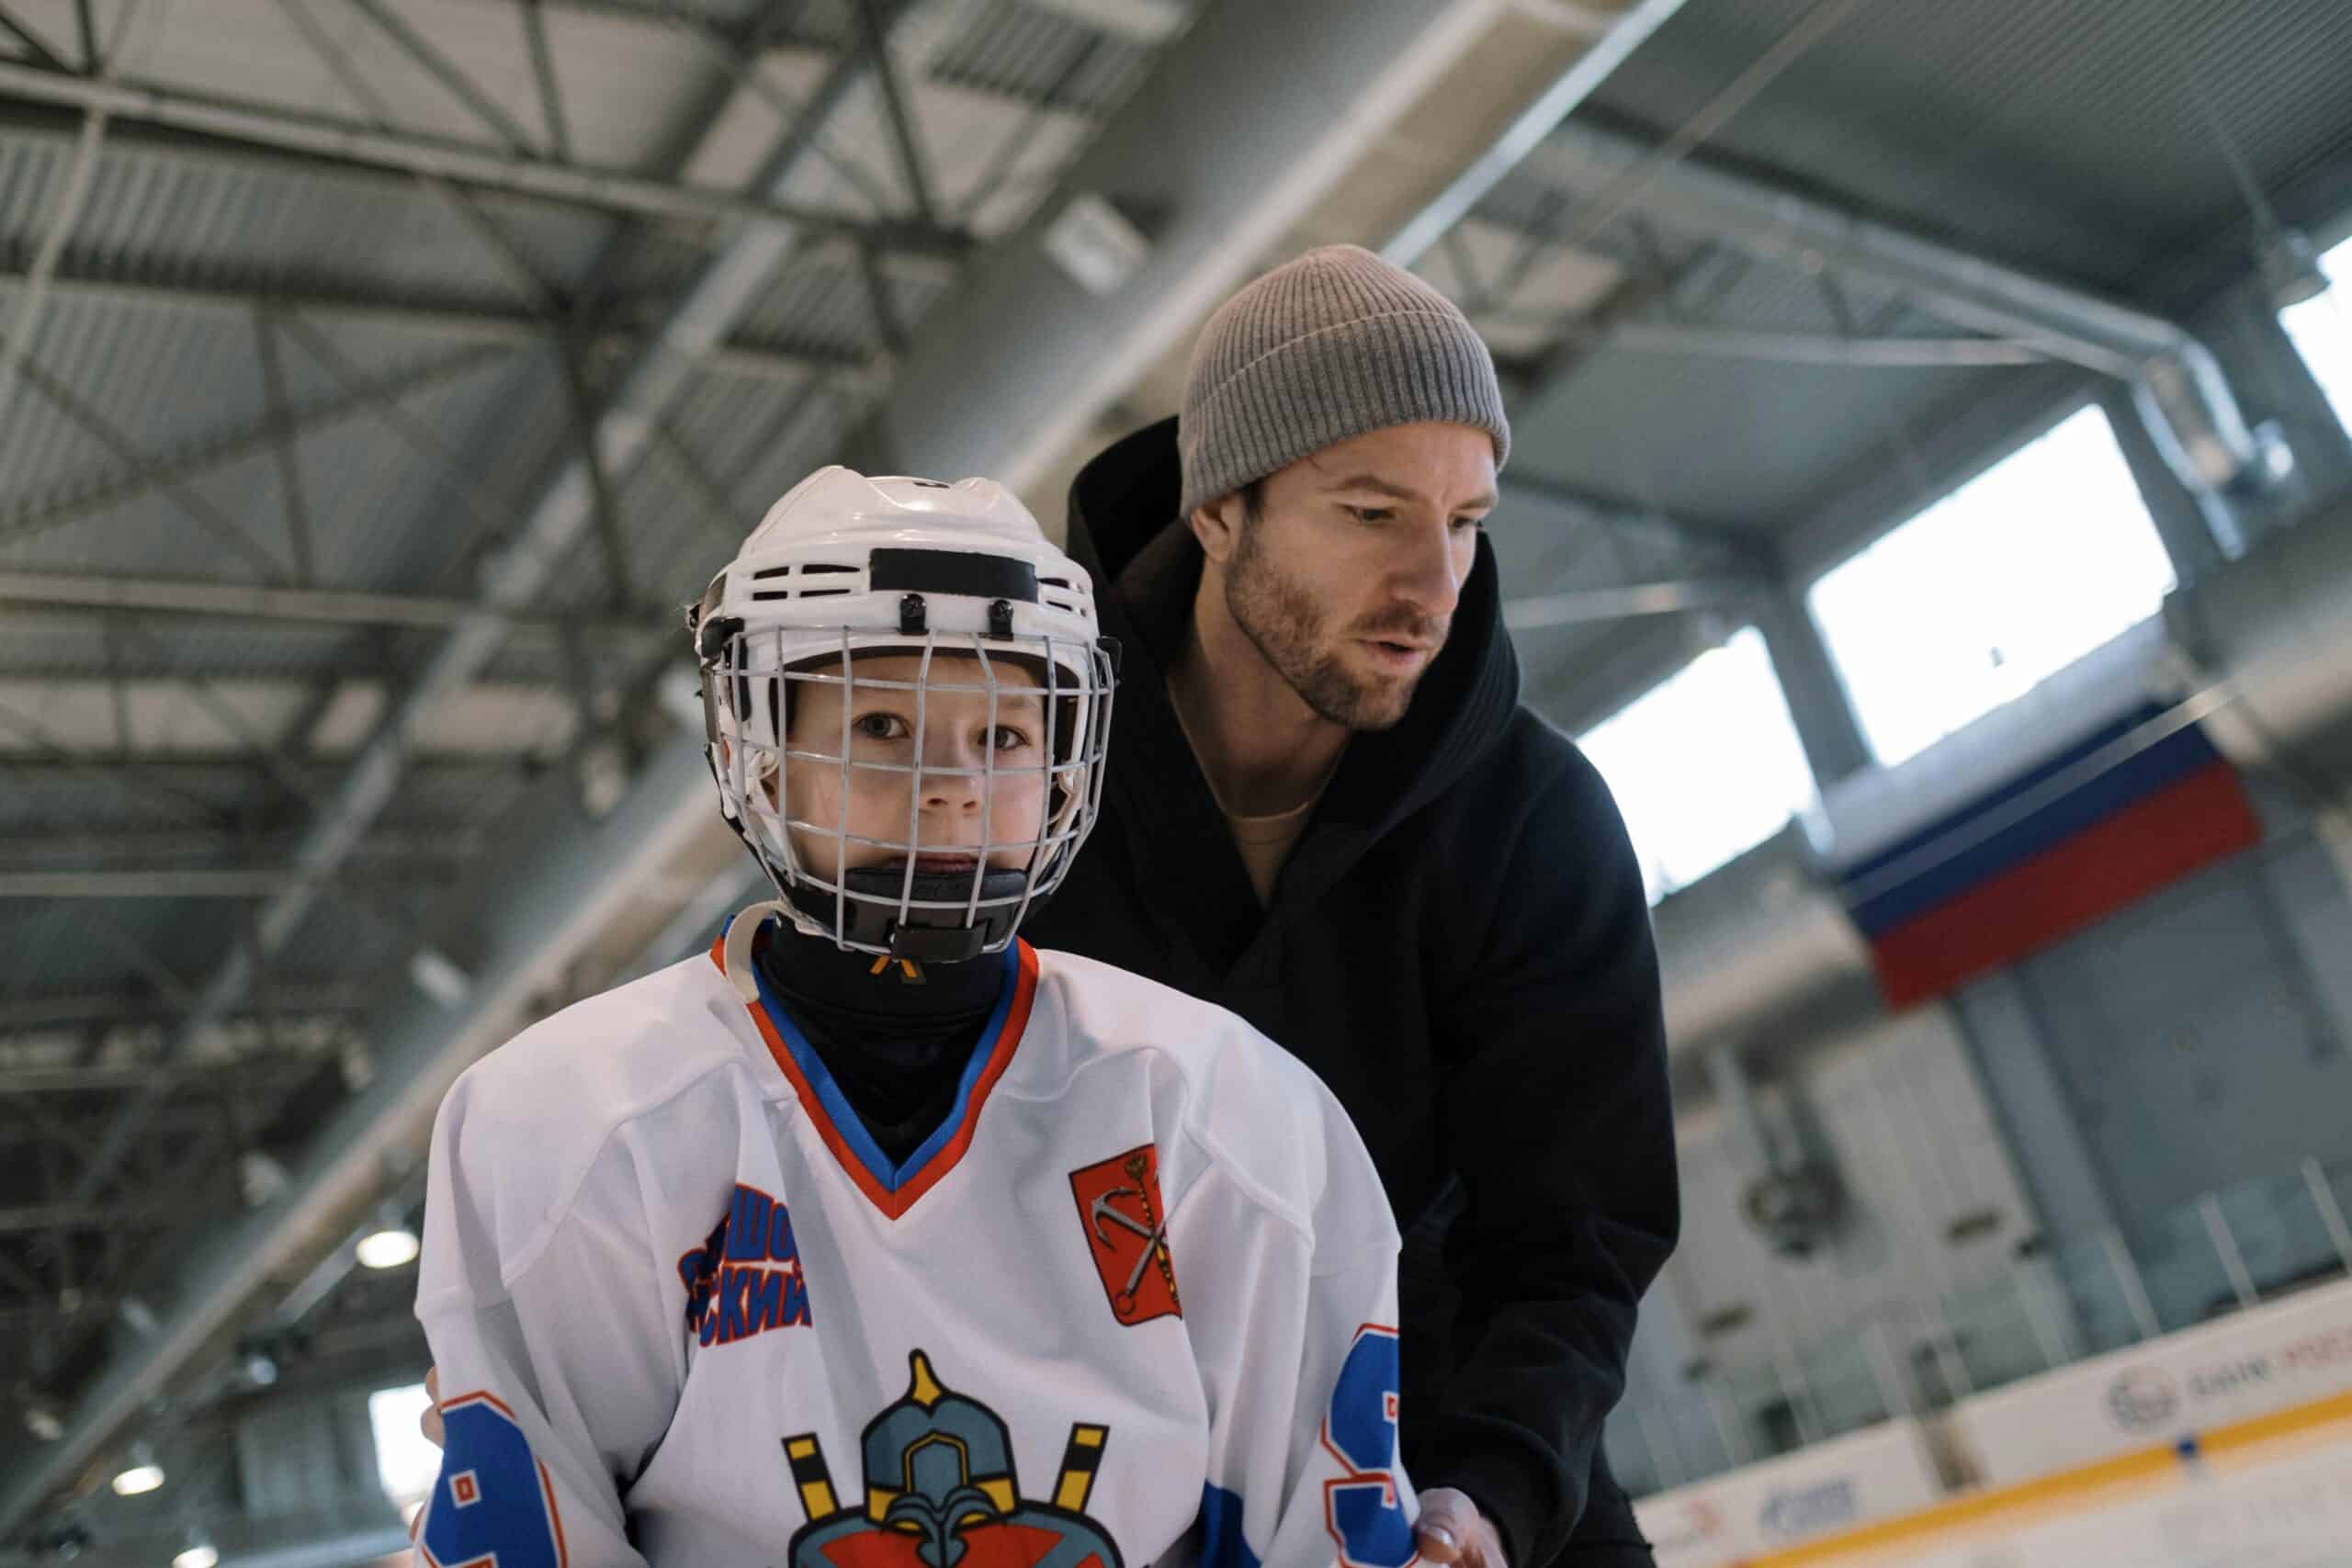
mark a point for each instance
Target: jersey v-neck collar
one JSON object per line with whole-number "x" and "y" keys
{"x": 896, "y": 1188}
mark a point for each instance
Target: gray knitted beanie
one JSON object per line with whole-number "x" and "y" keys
{"x": 1320, "y": 350}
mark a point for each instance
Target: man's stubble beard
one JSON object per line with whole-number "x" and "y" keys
{"x": 1282, "y": 623}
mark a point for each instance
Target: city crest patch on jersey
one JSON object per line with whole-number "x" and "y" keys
{"x": 941, "y": 1492}
{"x": 1126, "y": 1235}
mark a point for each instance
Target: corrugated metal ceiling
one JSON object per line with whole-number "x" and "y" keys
{"x": 2085, "y": 140}
{"x": 2074, "y": 137}
{"x": 405, "y": 504}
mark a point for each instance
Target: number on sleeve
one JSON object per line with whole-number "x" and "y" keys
{"x": 1362, "y": 1510}
{"x": 494, "y": 1504}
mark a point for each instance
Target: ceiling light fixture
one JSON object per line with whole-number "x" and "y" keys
{"x": 140, "y": 1473}
{"x": 392, "y": 1243}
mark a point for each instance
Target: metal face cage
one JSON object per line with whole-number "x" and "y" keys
{"x": 788, "y": 716}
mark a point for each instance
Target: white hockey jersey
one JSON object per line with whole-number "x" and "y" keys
{"x": 1130, "y": 1304}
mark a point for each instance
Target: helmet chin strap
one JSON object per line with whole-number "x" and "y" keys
{"x": 741, "y": 933}
{"x": 942, "y": 938}
{"x": 874, "y": 918}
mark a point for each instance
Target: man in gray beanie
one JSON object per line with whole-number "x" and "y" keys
{"x": 1327, "y": 811}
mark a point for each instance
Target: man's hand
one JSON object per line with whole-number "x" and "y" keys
{"x": 1452, "y": 1530}
{"x": 429, "y": 1422}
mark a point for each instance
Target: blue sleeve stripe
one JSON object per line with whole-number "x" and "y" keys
{"x": 1222, "y": 1543}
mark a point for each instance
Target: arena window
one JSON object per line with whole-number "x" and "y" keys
{"x": 2322, "y": 331}
{"x": 2009, "y": 579}
{"x": 405, "y": 1463}
{"x": 1705, "y": 765}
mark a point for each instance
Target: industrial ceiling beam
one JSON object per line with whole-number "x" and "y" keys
{"x": 539, "y": 546}
{"x": 154, "y": 775}
{"x": 429, "y": 57}
{"x": 331, "y": 142}
{"x": 1610, "y": 49}
{"x": 1185, "y": 168}
{"x": 1530, "y": 501}
{"x": 52, "y": 848}
{"x": 1806, "y": 348}
{"x": 464, "y": 321}
{"x": 1228, "y": 142}
{"x": 1582, "y": 606}
{"x": 364, "y": 396}
{"x": 1149, "y": 22}
{"x": 65, "y": 211}
{"x": 257, "y": 1070}
{"x": 28, "y": 740}
{"x": 176, "y": 882}
{"x": 35, "y": 1219}
{"x": 1144, "y": 21}
{"x": 319, "y": 606}
{"x": 224, "y": 528}
{"x": 344, "y": 1167}
{"x": 1682, "y": 292}
{"x": 21, "y": 1015}
{"x": 2178, "y": 388}
{"x": 1777, "y": 225}
{"x": 30, "y": 42}
{"x": 571, "y": 883}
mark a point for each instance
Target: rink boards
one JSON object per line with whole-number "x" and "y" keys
{"x": 2249, "y": 1419}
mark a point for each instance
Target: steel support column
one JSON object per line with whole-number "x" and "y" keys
{"x": 1826, "y": 727}
{"x": 1212, "y": 184}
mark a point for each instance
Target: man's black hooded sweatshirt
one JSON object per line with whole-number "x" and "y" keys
{"x": 1460, "y": 947}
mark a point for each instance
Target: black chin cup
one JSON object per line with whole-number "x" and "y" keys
{"x": 869, "y": 916}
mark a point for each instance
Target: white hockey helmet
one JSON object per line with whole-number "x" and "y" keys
{"x": 845, "y": 567}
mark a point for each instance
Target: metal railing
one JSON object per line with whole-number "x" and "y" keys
{"x": 2228, "y": 1250}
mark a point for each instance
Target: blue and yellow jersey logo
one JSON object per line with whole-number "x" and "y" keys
{"x": 941, "y": 1492}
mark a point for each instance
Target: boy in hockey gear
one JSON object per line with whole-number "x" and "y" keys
{"x": 876, "y": 1238}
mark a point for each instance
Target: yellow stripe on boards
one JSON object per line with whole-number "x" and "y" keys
{"x": 2279, "y": 1424}
{"x": 2043, "y": 1495}
{"x": 2024, "y": 1497}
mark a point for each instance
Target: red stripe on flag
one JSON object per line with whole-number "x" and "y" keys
{"x": 2148, "y": 845}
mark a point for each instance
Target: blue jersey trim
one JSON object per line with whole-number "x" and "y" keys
{"x": 835, "y": 1106}
{"x": 1222, "y": 1543}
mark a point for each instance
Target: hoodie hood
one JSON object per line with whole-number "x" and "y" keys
{"x": 1124, "y": 528}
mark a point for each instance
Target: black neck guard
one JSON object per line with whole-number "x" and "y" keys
{"x": 895, "y": 1033}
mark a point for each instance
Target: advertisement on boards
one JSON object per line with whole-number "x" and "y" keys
{"x": 1874, "y": 1473}
{"x": 2259, "y": 1362}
